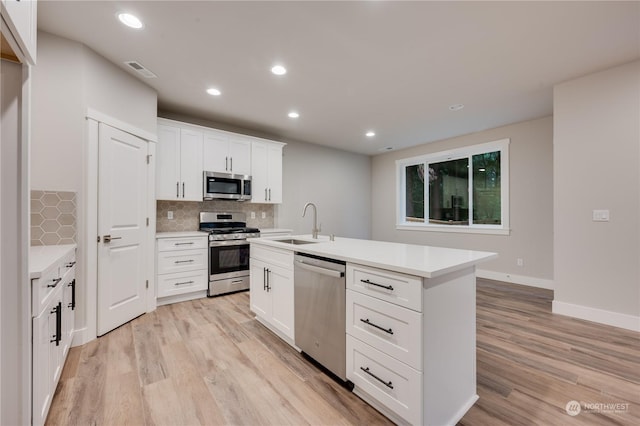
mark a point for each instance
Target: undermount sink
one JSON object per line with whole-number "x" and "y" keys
{"x": 295, "y": 242}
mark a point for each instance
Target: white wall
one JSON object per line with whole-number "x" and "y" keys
{"x": 337, "y": 182}
{"x": 531, "y": 203}
{"x": 597, "y": 166}
{"x": 69, "y": 79}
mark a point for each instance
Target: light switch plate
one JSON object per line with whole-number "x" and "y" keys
{"x": 601, "y": 215}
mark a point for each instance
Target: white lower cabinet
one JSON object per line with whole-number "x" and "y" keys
{"x": 53, "y": 293}
{"x": 392, "y": 383}
{"x": 271, "y": 289}
{"x": 384, "y": 340}
{"x": 182, "y": 268}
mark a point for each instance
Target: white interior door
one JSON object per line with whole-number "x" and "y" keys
{"x": 122, "y": 216}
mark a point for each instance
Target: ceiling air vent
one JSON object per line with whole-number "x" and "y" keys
{"x": 137, "y": 67}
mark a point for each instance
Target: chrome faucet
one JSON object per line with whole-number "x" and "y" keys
{"x": 316, "y": 228}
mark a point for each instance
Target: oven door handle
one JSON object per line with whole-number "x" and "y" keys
{"x": 228, "y": 243}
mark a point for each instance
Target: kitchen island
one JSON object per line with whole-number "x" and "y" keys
{"x": 410, "y": 319}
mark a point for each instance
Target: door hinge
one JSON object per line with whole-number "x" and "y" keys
{"x": 148, "y": 158}
{"x": 147, "y": 284}
{"x": 98, "y": 238}
{"x": 147, "y": 221}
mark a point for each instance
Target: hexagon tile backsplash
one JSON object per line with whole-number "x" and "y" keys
{"x": 53, "y": 218}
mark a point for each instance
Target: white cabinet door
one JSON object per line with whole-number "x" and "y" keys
{"x": 280, "y": 287}
{"x": 23, "y": 25}
{"x": 259, "y": 173}
{"x": 168, "y": 163}
{"x": 274, "y": 165}
{"x": 190, "y": 165}
{"x": 42, "y": 377}
{"x": 266, "y": 172}
{"x": 216, "y": 152}
{"x": 240, "y": 155}
{"x": 68, "y": 314}
{"x": 260, "y": 298}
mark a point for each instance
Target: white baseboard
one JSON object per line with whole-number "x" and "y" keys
{"x": 516, "y": 279}
{"x": 80, "y": 337}
{"x": 616, "y": 319}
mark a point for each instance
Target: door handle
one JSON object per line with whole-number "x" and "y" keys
{"x": 108, "y": 238}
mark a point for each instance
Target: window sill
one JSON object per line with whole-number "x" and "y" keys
{"x": 453, "y": 228}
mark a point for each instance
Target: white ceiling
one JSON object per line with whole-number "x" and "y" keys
{"x": 394, "y": 67}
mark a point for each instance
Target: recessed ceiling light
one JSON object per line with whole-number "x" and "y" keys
{"x": 370, "y": 134}
{"x": 278, "y": 70}
{"x": 213, "y": 91}
{"x": 130, "y": 20}
{"x": 456, "y": 107}
{"x": 293, "y": 114}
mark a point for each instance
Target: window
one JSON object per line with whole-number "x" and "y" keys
{"x": 463, "y": 190}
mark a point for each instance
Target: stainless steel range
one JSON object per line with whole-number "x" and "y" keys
{"x": 228, "y": 251}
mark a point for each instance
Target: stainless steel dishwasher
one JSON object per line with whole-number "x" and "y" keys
{"x": 319, "y": 294}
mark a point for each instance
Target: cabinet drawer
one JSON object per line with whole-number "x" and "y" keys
{"x": 182, "y": 261}
{"x": 401, "y": 289}
{"x": 170, "y": 244}
{"x": 43, "y": 287}
{"x": 389, "y": 328}
{"x": 182, "y": 282}
{"x": 392, "y": 383}
{"x": 273, "y": 256}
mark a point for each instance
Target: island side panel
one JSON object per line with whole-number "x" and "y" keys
{"x": 449, "y": 346}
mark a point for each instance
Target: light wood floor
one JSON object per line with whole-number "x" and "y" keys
{"x": 209, "y": 362}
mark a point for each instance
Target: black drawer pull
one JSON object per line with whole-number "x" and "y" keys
{"x": 387, "y": 384}
{"x": 70, "y": 264}
{"x": 184, "y": 261}
{"x": 55, "y": 282}
{"x": 183, "y": 244}
{"x": 183, "y": 283}
{"x": 388, "y": 287}
{"x": 366, "y": 321}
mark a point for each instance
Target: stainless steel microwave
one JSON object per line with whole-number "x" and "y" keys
{"x": 226, "y": 186}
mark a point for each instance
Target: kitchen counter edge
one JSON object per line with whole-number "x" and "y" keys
{"x": 375, "y": 254}
{"x": 42, "y": 257}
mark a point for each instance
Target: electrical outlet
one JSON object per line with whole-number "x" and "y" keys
{"x": 519, "y": 262}
{"x": 170, "y": 215}
{"x": 264, "y": 215}
{"x": 253, "y": 215}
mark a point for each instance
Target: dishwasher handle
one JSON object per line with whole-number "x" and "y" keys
{"x": 318, "y": 269}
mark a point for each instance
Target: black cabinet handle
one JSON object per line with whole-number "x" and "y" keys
{"x": 387, "y": 384}
{"x": 55, "y": 282}
{"x": 268, "y": 279}
{"x": 70, "y": 264}
{"x": 184, "y": 283}
{"x": 366, "y": 321}
{"x": 388, "y": 287}
{"x": 72, "y": 284}
{"x": 182, "y": 189}
{"x": 264, "y": 279}
{"x": 184, "y": 261}
{"x": 177, "y": 189}
{"x": 58, "y": 336}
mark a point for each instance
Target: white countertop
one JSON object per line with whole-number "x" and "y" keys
{"x": 42, "y": 257}
{"x": 184, "y": 234}
{"x": 423, "y": 261}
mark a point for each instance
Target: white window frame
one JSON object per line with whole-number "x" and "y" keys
{"x": 501, "y": 145}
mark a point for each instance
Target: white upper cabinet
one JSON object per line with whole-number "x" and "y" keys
{"x": 266, "y": 172}
{"x": 179, "y": 164}
{"x": 21, "y": 19}
{"x": 226, "y": 152}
